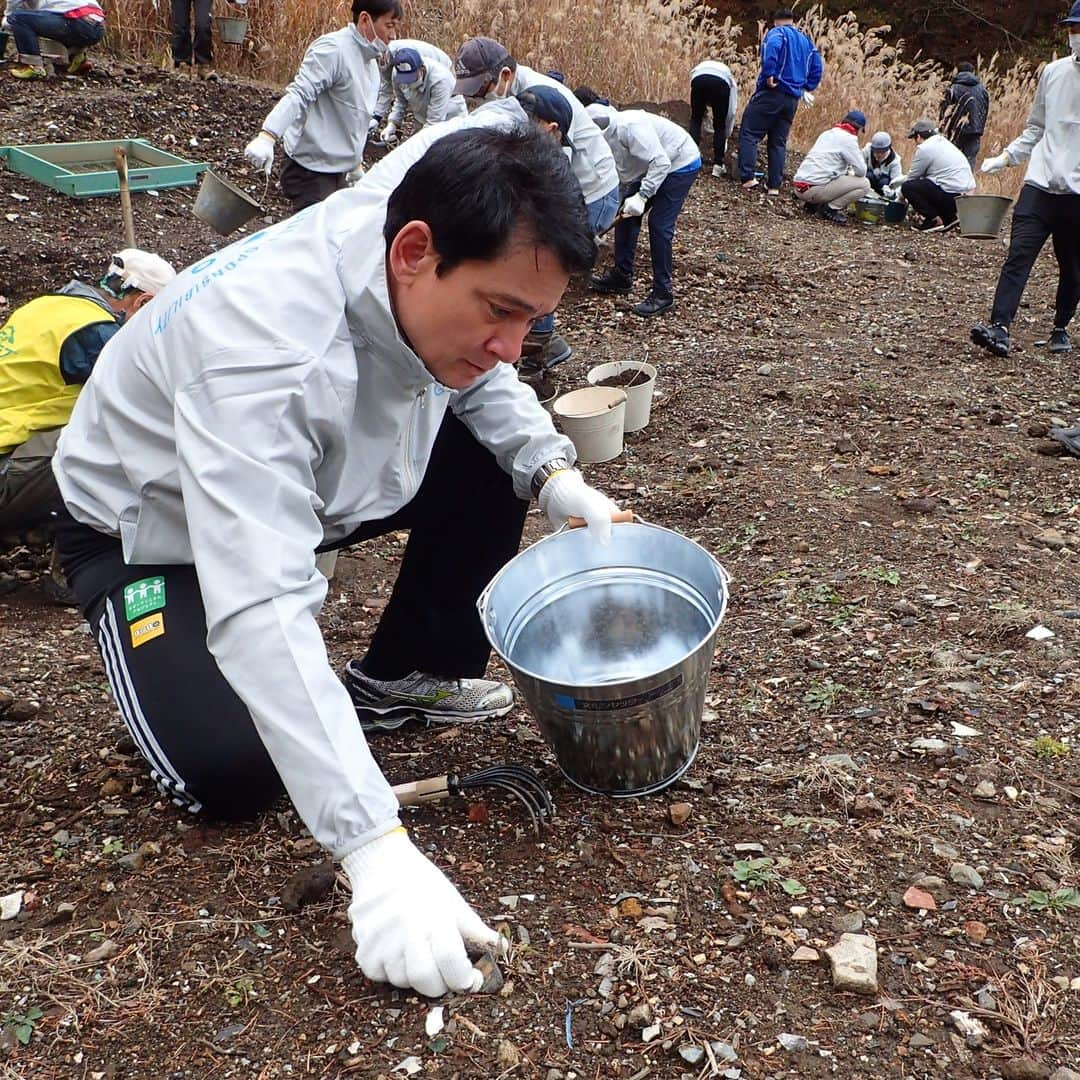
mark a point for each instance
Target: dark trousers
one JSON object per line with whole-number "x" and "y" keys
{"x": 28, "y": 25}
{"x": 204, "y": 752}
{"x": 710, "y": 92}
{"x": 28, "y": 493}
{"x": 930, "y": 200}
{"x": 768, "y": 114}
{"x": 664, "y": 208}
{"x": 304, "y": 187}
{"x": 968, "y": 145}
{"x": 182, "y": 37}
{"x": 1036, "y": 216}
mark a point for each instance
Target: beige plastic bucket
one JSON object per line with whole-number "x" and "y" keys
{"x": 638, "y": 395}
{"x": 223, "y": 206}
{"x": 231, "y": 29}
{"x": 981, "y": 215}
{"x": 593, "y": 419}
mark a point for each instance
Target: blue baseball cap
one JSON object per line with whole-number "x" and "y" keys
{"x": 856, "y": 119}
{"x": 407, "y": 65}
{"x": 547, "y": 103}
{"x": 1073, "y": 18}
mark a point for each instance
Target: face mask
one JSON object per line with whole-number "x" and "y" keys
{"x": 497, "y": 91}
{"x": 1074, "y": 45}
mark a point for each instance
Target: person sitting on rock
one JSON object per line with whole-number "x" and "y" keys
{"x": 833, "y": 173}
{"x": 939, "y": 172}
{"x": 78, "y": 24}
{"x": 48, "y": 348}
{"x": 658, "y": 162}
{"x": 883, "y": 165}
{"x": 423, "y": 87}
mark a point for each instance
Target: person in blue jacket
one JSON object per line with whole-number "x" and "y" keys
{"x": 790, "y": 67}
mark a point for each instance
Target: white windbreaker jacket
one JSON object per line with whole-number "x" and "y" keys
{"x": 261, "y": 405}
{"x": 427, "y": 52}
{"x": 322, "y": 119}
{"x": 835, "y": 152}
{"x": 1052, "y": 136}
{"x": 646, "y": 146}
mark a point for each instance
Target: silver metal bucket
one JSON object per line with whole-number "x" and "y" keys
{"x": 611, "y": 649}
{"x": 981, "y": 215}
{"x": 223, "y": 206}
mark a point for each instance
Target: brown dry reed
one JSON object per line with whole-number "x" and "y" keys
{"x": 631, "y": 50}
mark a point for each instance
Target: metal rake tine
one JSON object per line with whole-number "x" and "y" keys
{"x": 519, "y": 776}
{"x": 517, "y": 793}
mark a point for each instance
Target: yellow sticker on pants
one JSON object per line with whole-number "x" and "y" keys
{"x": 147, "y": 629}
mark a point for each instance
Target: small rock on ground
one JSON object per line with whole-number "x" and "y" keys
{"x": 1025, "y": 1069}
{"x": 854, "y": 963}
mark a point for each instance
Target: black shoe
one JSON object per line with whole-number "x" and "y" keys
{"x": 613, "y": 283}
{"x": 57, "y": 593}
{"x": 810, "y": 208}
{"x": 827, "y": 213}
{"x": 994, "y": 338}
{"x": 653, "y": 305}
{"x": 932, "y": 224}
{"x": 1059, "y": 341}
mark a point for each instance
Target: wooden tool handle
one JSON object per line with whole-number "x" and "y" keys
{"x": 619, "y": 515}
{"x": 434, "y": 789}
{"x": 120, "y": 157}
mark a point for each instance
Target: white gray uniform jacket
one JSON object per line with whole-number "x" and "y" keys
{"x": 721, "y": 71}
{"x": 835, "y": 153}
{"x": 939, "y": 160}
{"x": 890, "y": 172}
{"x": 427, "y": 52}
{"x": 323, "y": 117}
{"x": 260, "y": 405}
{"x": 590, "y": 157}
{"x": 1052, "y": 136}
{"x": 431, "y": 99}
{"x": 646, "y": 147}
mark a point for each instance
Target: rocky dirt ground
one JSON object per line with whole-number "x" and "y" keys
{"x": 887, "y": 750}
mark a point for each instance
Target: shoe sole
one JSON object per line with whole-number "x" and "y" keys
{"x": 653, "y": 314}
{"x": 605, "y": 290}
{"x": 979, "y": 338}
{"x": 396, "y": 715}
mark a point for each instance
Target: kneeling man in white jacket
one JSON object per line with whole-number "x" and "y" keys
{"x": 344, "y": 374}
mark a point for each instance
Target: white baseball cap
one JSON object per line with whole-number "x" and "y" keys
{"x": 142, "y": 270}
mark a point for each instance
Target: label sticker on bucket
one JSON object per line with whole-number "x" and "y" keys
{"x": 565, "y": 701}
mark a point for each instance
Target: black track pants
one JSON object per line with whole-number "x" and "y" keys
{"x": 149, "y": 623}
{"x": 1037, "y": 216}
{"x": 710, "y": 92}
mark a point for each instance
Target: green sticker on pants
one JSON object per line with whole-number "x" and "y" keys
{"x": 141, "y": 597}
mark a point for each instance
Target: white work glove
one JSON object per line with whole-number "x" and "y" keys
{"x": 373, "y": 127}
{"x": 565, "y": 495}
{"x": 808, "y": 99}
{"x": 996, "y": 164}
{"x": 260, "y": 152}
{"x": 355, "y": 175}
{"x": 410, "y": 925}
{"x": 389, "y": 134}
{"x": 634, "y": 206}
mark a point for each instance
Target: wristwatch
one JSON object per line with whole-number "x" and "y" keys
{"x": 545, "y": 472}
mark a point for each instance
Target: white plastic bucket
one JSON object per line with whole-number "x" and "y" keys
{"x": 638, "y": 395}
{"x": 593, "y": 420}
{"x": 981, "y": 215}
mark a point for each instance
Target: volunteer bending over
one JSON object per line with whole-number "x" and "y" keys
{"x": 300, "y": 390}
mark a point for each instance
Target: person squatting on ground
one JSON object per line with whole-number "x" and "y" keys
{"x": 833, "y": 173}
{"x": 424, "y": 87}
{"x": 304, "y": 389}
{"x": 385, "y": 101}
{"x": 322, "y": 119}
{"x": 713, "y": 87}
{"x": 78, "y": 24}
{"x": 48, "y": 348}
{"x": 485, "y": 69}
{"x": 883, "y": 165}
{"x": 939, "y": 172}
{"x": 790, "y": 68}
{"x": 1049, "y": 204}
{"x": 964, "y": 111}
{"x": 658, "y": 163}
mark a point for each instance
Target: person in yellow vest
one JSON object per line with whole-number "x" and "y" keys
{"x": 48, "y": 348}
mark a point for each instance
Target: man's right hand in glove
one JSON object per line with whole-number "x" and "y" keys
{"x": 389, "y": 134}
{"x": 633, "y": 206}
{"x": 260, "y": 152}
{"x": 996, "y": 164}
{"x": 410, "y": 925}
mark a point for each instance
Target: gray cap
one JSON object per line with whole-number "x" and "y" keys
{"x": 478, "y": 60}
{"x": 922, "y": 127}
{"x": 882, "y": 140}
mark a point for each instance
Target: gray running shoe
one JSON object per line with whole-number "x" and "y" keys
{"x": 1059, "y": 340}
{"x": 383, "y": 705}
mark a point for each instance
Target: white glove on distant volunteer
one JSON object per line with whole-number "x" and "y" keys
{"x": 634, "y": 206}
{"x": 355, "y": 175}
{"x": 996, "y": 164}
{"x": 565, "y": 495}
{"x": 389, "y": 134}
{"x": 410, "y": 925}
{"x": 374, "y": 125}
{"x": 260, "y": 152}
{"x": 808, "y": 99}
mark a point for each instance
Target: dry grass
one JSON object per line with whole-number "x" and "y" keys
{"x": 633, "y": 50}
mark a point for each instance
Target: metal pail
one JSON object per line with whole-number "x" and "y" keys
{"x": 223, "y": 206}
{"x": 981, "y": 215}
{"x": 611, "y": 649}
